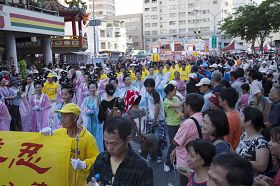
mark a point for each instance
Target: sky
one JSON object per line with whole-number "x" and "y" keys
{"x": 128, "y": 7}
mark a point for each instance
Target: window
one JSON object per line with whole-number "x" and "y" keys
{"x": 147, "y": 24}
{"x": 154, "y": 39}
{"x": 154, "y": 16}
{"x": 109, "y": 45}
{"x": 147, "y": 33}
{"x": 182, "y": 30}
{"x": 172, "y": 15}
{"x": 204, "y": 29}
{"x": 116, "y": 46}
{"x": 183, "y": 22}
{"x": 102, "y": 33}
{"x": 190, "y": 13}
{"x": 135, "y": 19}
{"x": 226, "y": 4}
{"x": 190, "y": 5}
{"x": 182, "y": 6}
{"x": 103, "y": 45}
{"x": 147, "y": 1}
{"x": 154, "y": 8}
{"x": 182, "y": 14}
{"x": 154, "y": 1}
{"x": 154, "y": 32}
{"x": 172, "y": 22}
{"x": 154, "y": 24}
{"x": 172, "y": 31}
{"x": 205, "y": 11}
{"x": 172, "y": 7}
{"x": 147, "y": 9}
{"x": 147, "y": 17}
{"x": 215, "y": 2}
{"x": 136, "y": 43}
{"x": 147, "y": 39}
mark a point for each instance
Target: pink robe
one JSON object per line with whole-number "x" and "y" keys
{"x": 5, "y": 117}
{"x": 24, "y": 109}
{"x": 82, "y": 93}
{"x": 40, "y": 119}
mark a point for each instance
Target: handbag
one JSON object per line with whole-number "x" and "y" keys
{"x": 148, "y": 142}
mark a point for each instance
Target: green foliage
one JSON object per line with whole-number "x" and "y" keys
{"x": 248, "y": 21}
{"x": 23, "y": 69}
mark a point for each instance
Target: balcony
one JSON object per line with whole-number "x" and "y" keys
{"x": 69, "y": 43}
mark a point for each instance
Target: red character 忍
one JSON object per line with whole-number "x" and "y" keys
{"x": 2, "y": 159}
{"x": 39, "y": 184}
{"x": 30, "y": 149}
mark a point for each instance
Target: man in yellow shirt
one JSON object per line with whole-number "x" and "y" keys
{"x": 82, "y": 155}
{"x": 50, "y": 87}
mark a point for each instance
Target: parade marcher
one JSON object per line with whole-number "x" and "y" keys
{"x": 40, "y": 105}
{"x": 82, "y": 91}
{"x": 138, "y": 83}
{"x": 66, "y": 96}
{"x": 156, "y": 117}
{"x": 215, "y": 127}
{"x": 161, "y": 81}
{"x": 15, "y": 100}
{"x": 89, "y": 115}
{"x": 120, "y": 165}
{"x": 50, "y": 87}
{"x": 5, "y": 117}
{"x": 189, "y": 130}
{"x": 82, "y": 155}
{"x": 228, "y": 169}
{"x": 216, "y": 79}
{"x": 243, "y": 100}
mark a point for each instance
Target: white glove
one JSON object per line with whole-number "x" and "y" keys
{"x": 47, "y": 131}
{"x": 78, "y": 164}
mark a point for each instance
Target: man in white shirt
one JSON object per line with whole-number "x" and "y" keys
{"x": 264, "y": 67}
{"x": 256, "y": 90}
{"x": 29, "y": 88}
{"x": 204, "y": 88}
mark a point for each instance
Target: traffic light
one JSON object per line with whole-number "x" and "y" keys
{"x": 198, "y": 37}
{"x": 196, "y": 31}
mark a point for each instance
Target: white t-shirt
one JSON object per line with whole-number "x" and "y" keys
{"x": 153, "y": 99}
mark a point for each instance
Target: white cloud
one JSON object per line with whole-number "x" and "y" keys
{"x": 128, "y": 6}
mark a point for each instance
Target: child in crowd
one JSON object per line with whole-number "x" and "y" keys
{"x": 243, "y": 100}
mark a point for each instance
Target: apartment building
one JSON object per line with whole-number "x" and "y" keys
{"x": 185, "y": 19}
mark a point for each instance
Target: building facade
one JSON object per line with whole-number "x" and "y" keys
{"x": 134, "y": 30}
{"x": 185, "y": 19}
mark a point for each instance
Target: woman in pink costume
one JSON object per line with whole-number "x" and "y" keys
{"x": 40, "y": 106}
{"x": 5, "y": 118}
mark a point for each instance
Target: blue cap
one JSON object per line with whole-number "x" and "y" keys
{"x": 97, "y": 177}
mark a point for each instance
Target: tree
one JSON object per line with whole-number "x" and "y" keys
{"x": 250, "y": 22}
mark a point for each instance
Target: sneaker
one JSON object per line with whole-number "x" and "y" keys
{"x": 159, "y": 159}
{"x": 149, "y": 158}
{"x": 166, "y": 168}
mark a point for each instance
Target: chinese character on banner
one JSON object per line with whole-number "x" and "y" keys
{"x": 39, "y": 184}
{"x": 30, "y": 150}
{"x": 2, "y": 159}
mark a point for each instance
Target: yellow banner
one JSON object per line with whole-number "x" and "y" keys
{"x": 31, "y": 159}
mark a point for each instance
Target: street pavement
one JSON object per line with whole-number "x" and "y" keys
{"x": 162, "y": 178}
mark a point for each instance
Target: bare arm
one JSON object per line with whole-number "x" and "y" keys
{"x": 262, "y": 158}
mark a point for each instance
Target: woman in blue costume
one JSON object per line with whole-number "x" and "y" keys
{"x": 89, "y": 110}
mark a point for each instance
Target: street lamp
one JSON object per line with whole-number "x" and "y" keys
{"x": 214, "y": 17}
{"x": 262, "y": 32}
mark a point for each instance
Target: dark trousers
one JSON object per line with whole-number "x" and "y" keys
{"x": 16, "y": 118}
{"x": 172, "y": 130}
{"x": 183, "y": 180}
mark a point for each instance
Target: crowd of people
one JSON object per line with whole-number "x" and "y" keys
{"x": 217, "y": 116}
